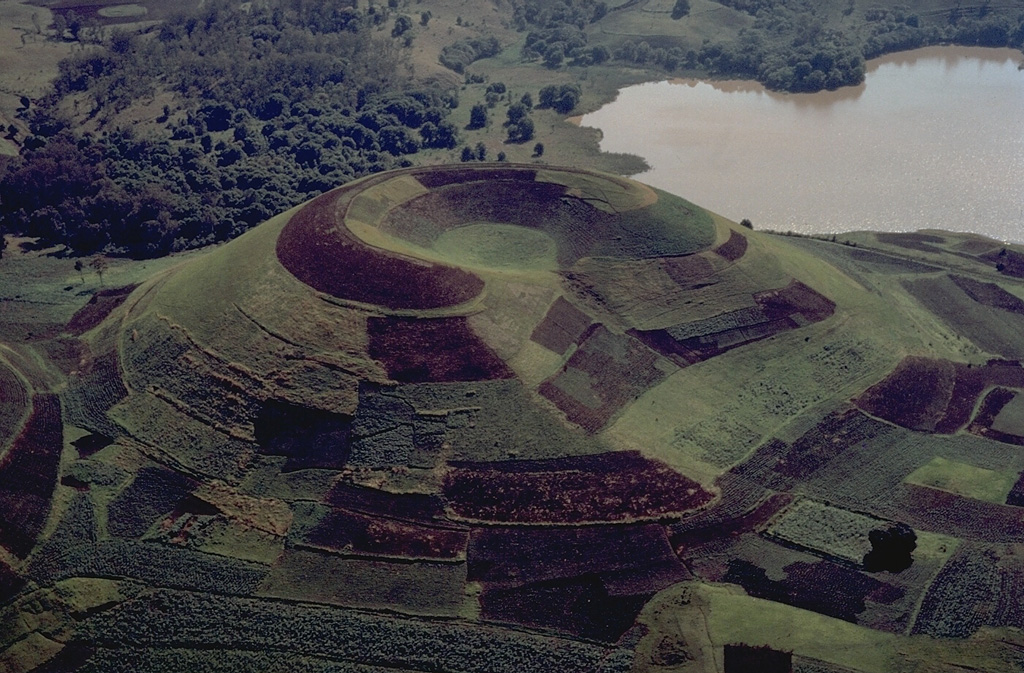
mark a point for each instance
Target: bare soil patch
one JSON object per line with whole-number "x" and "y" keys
{"x": 562, "y": 327}
{"x": 421, "y": 350}
{"x": 321, "y": 252}
{"x": 606, "y": 373}
{"x": 28, "y": 476}
{"x": 620, "y": 486}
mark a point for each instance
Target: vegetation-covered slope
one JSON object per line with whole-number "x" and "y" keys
{"x": 581, "y": 433}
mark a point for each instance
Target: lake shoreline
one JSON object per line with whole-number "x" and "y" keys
{"x": 910, "y": 88}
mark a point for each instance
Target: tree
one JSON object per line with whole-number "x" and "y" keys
{"x": 425, "y": 18}
{"x": 516, "y": 112}
{"x": 467, "y": 154}
{"x": 478, "y": 116}
{"x": 403, "y": 25}
{"x": 501, "y": 156}
{"x": 481, "y": 152}
{"x": 562, "y": 98}
{"x": 538, "y": 150}
{"x": 746, "y": 223}
{"x": 555, "y": 55}
{"x": 680, "y": 9}
{"x": 521, "y": 131}
{"x": 891, "y": 549}
{"x": 79, "y": 268}
{"x": 527, "y": 100}
{"x": 99, "y": 265}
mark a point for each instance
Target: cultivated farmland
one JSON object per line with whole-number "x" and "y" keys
{"x": 510, "y": 417}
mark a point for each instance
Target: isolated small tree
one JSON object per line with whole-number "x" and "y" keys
{"x": 467, "y": 154}
{"x": 891, "y": 549}
{"x": 425, "y": 18}
{"x": 403, "y": 24}
{"x": 79, "y": 267}
{"x": 478, "y": 116}
{"x": 99, "y": 265}
{"x": 538, "y": 150}
{"x": 481, "y": 152}
{"x": 746, "y": 223}
{"x": 501, "y": 156}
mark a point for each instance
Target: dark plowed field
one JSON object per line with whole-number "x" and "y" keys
{"x": 424, "y": 350}
{"x": 28, "y": 476}
{"x": 617, "y": 486}
{"x": 321, "y": 252}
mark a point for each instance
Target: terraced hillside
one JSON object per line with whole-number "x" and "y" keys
{"x": 514, "y": 417}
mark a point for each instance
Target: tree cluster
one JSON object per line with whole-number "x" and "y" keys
{"x": 562, "y": 98}
{"x": 891, "y": 548}
{"x": 273, "y": 106}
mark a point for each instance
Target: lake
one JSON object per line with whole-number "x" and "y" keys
{"x": 933, "y": 139}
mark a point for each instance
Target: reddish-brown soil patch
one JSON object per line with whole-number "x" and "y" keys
{"x": 453, "y": 175}
{"x": 952, "y": 514}
{"x": 990, "y": 408}
{"x": 607, "y": 372}
{"x": 1008, "y": 262}
{"x": 936, "y": 395}
{"x": 796, "y": 299}
{"x": 522, "y": 555}
{"x": 753, "y": 520}
{"x": 989, "y": 294}
{"x": 562, "y": 327}
{"x": 776, "y": 311}
{"x": 28, "y": 476}
{"x": 321, "y": 252}
{"x": 407, "y": 506}
{"x": 421, "y": 350}
{"x": 619, "y": 486}
{"x": 734, "y": 248}
{"x": 915, "y": 394}
{"x": 98, "y": 307}
{"x": 372, "y": 534}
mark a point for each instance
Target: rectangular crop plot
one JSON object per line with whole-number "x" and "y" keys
{"x": 963, "y": 479}
{"x": 618, "y": 486}
{"x": 520, "y": 555}
{"x": 828, "y": 530}
{"x": 376, "y": 535}
{"x": 28, "y": 476}
{"x": 562, "y": 327}
{"x": 607, "y": 372}
{"x": 423, "y": 587}
{"x": 417, "y": 350}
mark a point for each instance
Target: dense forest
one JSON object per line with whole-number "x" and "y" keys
{"x": 790, "y": 45}
{"x": 275, "y": 103}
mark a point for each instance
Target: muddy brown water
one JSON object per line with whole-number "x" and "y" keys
{"x": 934, "y": 138}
